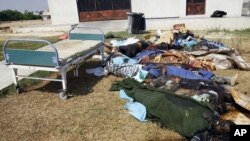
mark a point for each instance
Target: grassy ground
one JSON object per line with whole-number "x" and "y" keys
{"x": 92, "y": 113}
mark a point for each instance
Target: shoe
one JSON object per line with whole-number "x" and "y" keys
{"x": 202, "y": 136}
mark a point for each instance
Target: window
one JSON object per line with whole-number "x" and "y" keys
{"x": 93, "y": 10}
{"x": 102, "y": 5}
{"x": 195, "y": 7}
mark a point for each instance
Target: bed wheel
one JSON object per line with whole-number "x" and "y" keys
{"x": 63, "y": 95}
{"x": 18, "y": 90}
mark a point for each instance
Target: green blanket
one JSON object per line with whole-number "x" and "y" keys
{"x": 179, "y": 113}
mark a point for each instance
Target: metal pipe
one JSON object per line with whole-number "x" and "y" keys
{"x": 39, "y": 78}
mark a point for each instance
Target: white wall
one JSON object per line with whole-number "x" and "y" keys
{"x": 232, "y": 7}
{"x": 238, "y": 23}
{"x": 157, "y": 8}
{"x": 63, "y": 12}
{"x": 167, "y": 24}
{"x": 177, "y": 8}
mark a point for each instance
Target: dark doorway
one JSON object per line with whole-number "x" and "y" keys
{"x": 195, "y": 7}
{"x": 97, "y": 10}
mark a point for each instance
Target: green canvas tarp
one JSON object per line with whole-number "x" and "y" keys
{"x": 182, "y": 114}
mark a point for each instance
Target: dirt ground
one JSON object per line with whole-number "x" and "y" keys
{"x": 25, "y": 23}
{"x": 7, "y": 33}
{"x": 92, "y": 113}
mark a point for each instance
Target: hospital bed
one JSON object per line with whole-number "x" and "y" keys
{"x": 60, "y": 57}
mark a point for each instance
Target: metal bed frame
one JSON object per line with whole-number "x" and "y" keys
{"x": 48, "y": 60}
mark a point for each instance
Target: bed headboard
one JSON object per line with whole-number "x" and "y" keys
{"x": 86, "y": 33}
{"x": 30, "y": 57}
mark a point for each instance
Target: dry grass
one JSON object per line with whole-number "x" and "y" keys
{"x": 93, "y": 113}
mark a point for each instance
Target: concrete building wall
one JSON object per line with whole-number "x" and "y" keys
{"x": 63, "y": 12}
{"x": 157, "y": 8}
{"x": 232, "y": 7}
{"x": 238, "y": 23}
{"x": 177, "y": 8}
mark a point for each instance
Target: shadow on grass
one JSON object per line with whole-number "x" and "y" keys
{"x": 76, "y": 86}
{"x": 23, "y": 83}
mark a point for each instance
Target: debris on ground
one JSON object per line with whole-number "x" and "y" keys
{"x": 170, "y": 74}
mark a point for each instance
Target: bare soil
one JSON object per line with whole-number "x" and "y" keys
{"x": 25, "y": 23}
{"x": 7, "y": 33}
